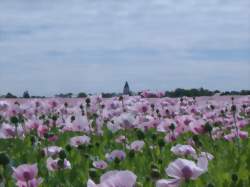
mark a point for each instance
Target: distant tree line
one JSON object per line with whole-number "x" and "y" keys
{"x": 179, "y": 92}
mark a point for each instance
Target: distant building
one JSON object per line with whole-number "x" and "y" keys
{"x": 126, "y": 90}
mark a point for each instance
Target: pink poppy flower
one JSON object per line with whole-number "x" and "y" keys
{"x": 183, "y": 150}
{"x": 100, "y": 164}
{"x": 26, "y": 175}
{"x": 136, "y": 145}
{"x": 31, "y": 183}
{"x": 182, "y": 170}
{"x": 79, "y": 140}
{"x": 53, "y": 165}
{"x": 25, "y": 172}
{"x": 116, "y": 154}
{"x": 52, "y": 150}
{"x": 121, "y": 139}
{"x": 115, "y": 178}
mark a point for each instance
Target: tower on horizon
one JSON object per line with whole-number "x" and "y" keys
{"x": 126, "y": 89}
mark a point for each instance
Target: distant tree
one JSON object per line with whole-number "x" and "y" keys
{"x": 82, "y": 95}
{"x": 67, "y": 95}
{"x": 10, "y": 95}
{"x": 26, "y": 94}
{"x": 108, "y": 95}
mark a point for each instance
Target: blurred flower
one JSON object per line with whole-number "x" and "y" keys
{"x": 115, "y": 178}
{"x": 79, "y": 140}
{"x": 183, "y": 150}
{"x": 183, "y": 170}
{"x": 116, "y": 154}
{"x": 26, "y": 175}
{"x": 100, "y": 164}
{"x": 57, "y": 164}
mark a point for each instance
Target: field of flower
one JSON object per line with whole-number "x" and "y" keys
{"x": 125, "y": 142}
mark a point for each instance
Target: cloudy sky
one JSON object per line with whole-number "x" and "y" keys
{"x": 49, "y": 47}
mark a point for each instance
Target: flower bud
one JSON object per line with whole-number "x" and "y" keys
{"x": 161, "y": 143}
{"x": 140, "y": 135}
{"x": 155, "y": 174}
{"x": 234, "y": 177}
{"x": 233, "y": 108}
{"x": 14, "y": 120}
{"x": 208, "y": 127}
{"x": 210, "y": 185}
{"x": 60, "y": 163}
{"x": 62, "y": 154}
{"x": 93, "y": 173}
{"x": 131, "y": 154}
{"x": 154, "y": 136}
{"x": 68, "y": 148}
{"x": 4, "y": 159}
{"x": 172, "y": 127}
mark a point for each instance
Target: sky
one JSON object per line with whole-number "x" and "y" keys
{"x": 50, "y": 47}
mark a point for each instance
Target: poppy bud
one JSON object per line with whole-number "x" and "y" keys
{"x": 147, "y": 178}
{"x": 33, "y": 140}
{"x": 14, "y": 120}
{"x": 60, "y": 163}
{"x": 68, "y": 148}
{"x": 54, "y": 117}
{"x": 72, "y": 118}
{"x": 172, "y": 127}
{"x": 160, "y": 161}
{"x": 208, "y": 127}
{"x": 4, "y": 159}
{"x": 97, "y": 144}
{"x": 161, "y": 143}
{"x": 233, "y": 108}
{"x": 210, "y": 185}
{"x": 131, "y": 154}
{"x": 42, "y": 153}
{"x": 46, "y": 135}
{"x": 117, "y": 160}
{"x": 234, "y": 177}
{"x": 93, "y": 173}
{"x": 154, "y": 136}
{"x": 155, "y": 174}
{"x": 86, "y": 155}
{"x": 62, "y": 154}
{"x": 87, "y": 100}
{"x": 66, "y": 104}
{"x": 140, "y": 135}
{"x": 153, "y": 166}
